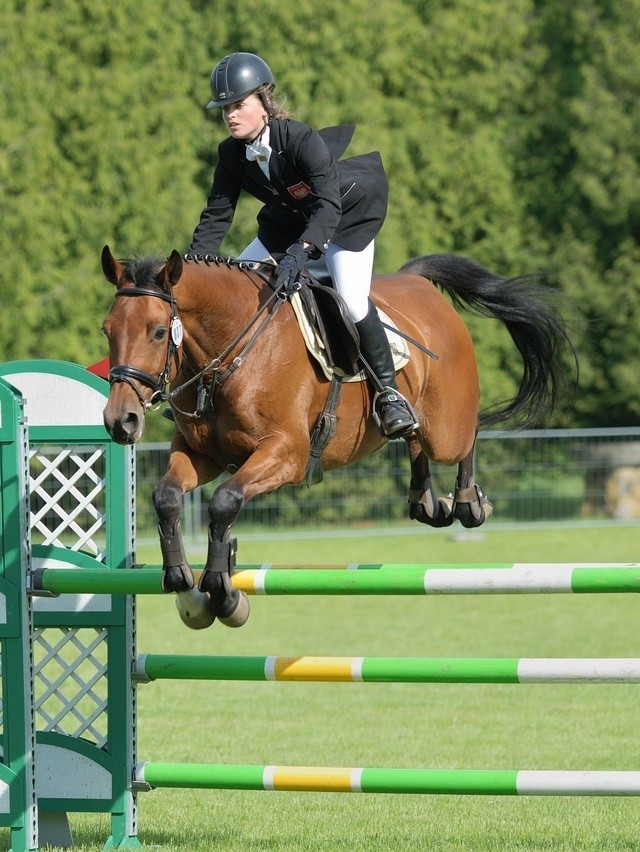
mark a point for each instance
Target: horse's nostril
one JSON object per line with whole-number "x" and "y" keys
{"x": 125, "y": 429}
{"x": 128, "y": 428}
{"x": 131, "y": 422}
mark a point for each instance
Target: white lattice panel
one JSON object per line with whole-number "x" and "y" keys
{"x": 70, "y": 686}
{"x": 67, "y": 497}
{"x": 67, "y": 509}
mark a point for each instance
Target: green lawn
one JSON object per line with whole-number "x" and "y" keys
{"x": 421, "y": 544}
{"x": 397, "y": 725}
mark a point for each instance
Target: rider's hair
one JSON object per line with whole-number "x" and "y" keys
{"x": 274, "y": 106}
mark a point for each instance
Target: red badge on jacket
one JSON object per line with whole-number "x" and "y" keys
{"x": 299, "y": 190}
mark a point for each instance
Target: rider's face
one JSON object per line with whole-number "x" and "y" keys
{"x": 245, "y": 119}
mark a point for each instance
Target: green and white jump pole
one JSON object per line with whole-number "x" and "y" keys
{"x": 326, "y": 669}
{"x": 365, "y": 579}
{"x": 328, "y": 779}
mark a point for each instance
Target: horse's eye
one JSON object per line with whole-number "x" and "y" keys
{"x": 160, "y": 333}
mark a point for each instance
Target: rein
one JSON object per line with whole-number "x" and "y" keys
{"x": 159, "y": 385}
{"x": 205, "y": 392}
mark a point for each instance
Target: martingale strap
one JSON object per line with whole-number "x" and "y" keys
{"x": 323, "y": 432}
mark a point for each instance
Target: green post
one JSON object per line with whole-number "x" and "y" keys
{"x": 18, "y": 808}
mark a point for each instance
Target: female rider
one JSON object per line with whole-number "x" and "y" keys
{"x": 313, "y": 206}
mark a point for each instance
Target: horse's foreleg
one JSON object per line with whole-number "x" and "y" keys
{"x": 183, "y": 474}
{"x": 227, "y": 603}
{"x": 271, "y": 466}
{"x": 167, "y": 500}
{"x": 469, "y": 505}
{"x": 424, "y": 504}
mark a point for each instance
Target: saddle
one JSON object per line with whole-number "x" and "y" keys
{"x": 330, "y": 334}
{"x": 333, "y": 330}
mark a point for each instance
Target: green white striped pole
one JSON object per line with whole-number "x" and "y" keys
{"x": 386, "y": 669}
{"x": 319, "y": 779}
{"x": 383, "y": 579}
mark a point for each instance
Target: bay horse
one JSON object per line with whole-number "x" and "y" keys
{"x": 212, "y": 337}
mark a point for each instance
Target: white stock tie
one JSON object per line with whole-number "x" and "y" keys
{"x": 259, "y": 151}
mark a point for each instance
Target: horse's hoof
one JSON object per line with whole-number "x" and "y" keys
{"x": 177, "y": 578}
{"x": 240, "y": 613}
{"x": 471, "y": 507}
{"x": 472, "y": 515}
{"x": 194, "y": 608}
{"x": 443, "y": 517}
{"x": 446, "y": 506}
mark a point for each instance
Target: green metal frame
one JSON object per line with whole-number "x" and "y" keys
{"x": 18, "y": 810}
{"x": 63, "y": 406}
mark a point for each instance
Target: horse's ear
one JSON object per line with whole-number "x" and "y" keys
{"x": 110, "y": 266}
{"x": 172, "y": 270}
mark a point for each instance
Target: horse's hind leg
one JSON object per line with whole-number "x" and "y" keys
{"x": 424, "y": 504}
{"x": 469, "y": 505}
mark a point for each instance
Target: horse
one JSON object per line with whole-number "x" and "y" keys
{"x": 215, "y": 338}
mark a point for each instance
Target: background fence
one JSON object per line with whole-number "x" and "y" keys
{"x": 531, "y": 475}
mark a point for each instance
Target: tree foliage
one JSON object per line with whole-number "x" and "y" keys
{"x": 510, "y": 133}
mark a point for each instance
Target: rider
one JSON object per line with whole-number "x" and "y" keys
{"x": 312, "y": 206}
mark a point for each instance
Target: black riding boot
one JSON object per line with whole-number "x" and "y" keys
{"x": 395, "y": 416}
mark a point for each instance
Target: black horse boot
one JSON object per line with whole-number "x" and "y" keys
{"x": 395, "y": 416}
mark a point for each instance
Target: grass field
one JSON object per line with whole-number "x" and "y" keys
{"x": 396, "y": 725}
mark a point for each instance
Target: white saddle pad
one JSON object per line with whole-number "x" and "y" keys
{"x": 399, "y": 346}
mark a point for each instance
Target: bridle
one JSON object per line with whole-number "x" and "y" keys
{"x": 125, "y": 373}
{"x": 160, "y": 385}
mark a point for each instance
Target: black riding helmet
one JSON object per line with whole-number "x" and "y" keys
{"x": 236, "y": 76}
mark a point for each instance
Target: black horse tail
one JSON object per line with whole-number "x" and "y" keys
{"x": 527, "y": 306}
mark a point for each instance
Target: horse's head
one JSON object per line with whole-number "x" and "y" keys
{"x": 144, "y": 335}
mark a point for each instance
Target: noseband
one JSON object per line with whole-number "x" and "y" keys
{"x": 125, "y": 373}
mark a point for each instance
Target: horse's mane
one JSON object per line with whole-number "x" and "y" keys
{"x": 264, "y": 269}
{"x": 219, "y": 260}
{"x": 142, "y": 271}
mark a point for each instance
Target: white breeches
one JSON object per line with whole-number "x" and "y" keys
{"x": 351, "y": 272}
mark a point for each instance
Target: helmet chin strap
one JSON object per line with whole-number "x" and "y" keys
{"x": 265, "y": 97}
{"x": 259, "y": 136}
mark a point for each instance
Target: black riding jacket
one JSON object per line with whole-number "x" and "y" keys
{"x": 308, "y": 196}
